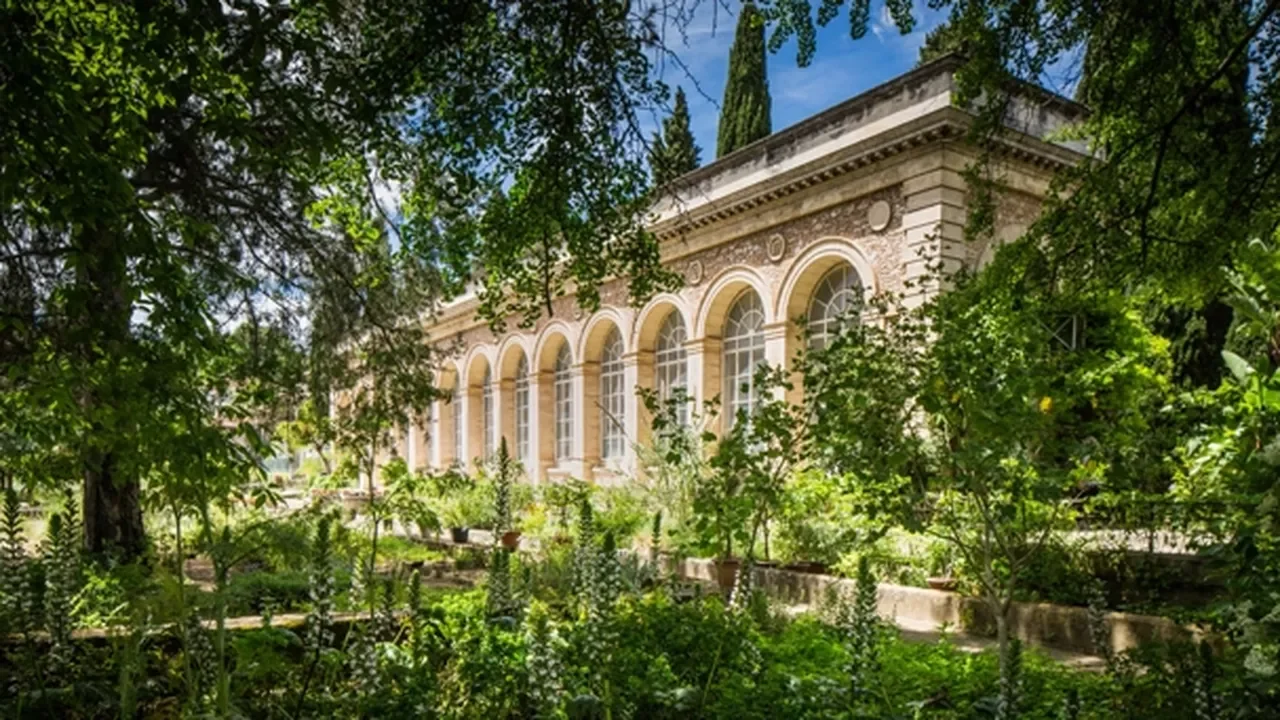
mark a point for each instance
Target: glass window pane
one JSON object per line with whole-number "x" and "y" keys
{"x": 563, "y": 404}
{"x": 671, "y": 361}
{"x": 836, "y": 300}
{"x": 742, "y": 351}
{"x": 522, "y": 411}
{"x": 612, "y": 399}
{"x": 488, "y": 424}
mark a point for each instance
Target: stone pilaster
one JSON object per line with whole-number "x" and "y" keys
{"x": 412, "y": 432}
{"x": 542, "y": 425}
{"x": 587, "y": 418}
{"x": 637, "y": 369}
{"x": 431, "y": 441}
{"x": 504, "y": 408}
{"x": 704, "y": 369}
{"x": 933, "y": 232}
{"x": 473, "y": 421}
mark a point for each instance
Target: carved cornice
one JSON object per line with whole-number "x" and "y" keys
{"x": 948, "y": 125}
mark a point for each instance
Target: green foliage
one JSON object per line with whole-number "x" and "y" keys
{"x": 745, "y": 112}
{"x": 200, "y": 198}
{"x": 620, "y": 511}
{"x": 752, "y": 465}
{"x": 675, "y": 461}
{"x": 985, "y": 434}
{"x": 622, "y": 654}
{"x": 816, "y": 521}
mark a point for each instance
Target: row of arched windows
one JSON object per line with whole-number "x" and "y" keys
{"x": 836, "y": 297}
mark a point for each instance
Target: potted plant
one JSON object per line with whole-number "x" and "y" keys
{"x": 749, "y": 472}
{"x": 455, "y": 500}
{"x": 464, "y": 511}
{"x": 560, "y": 500}
{"x": 942, "y": 567}
{"x": 504, "y": 475}
{"x": 407, "y": 497}
{"x": 721, "y": 513}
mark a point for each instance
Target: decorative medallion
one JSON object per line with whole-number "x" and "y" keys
{"x": 776, "y": 247}
{"x": 879, "y": 215}
{"x": 694, "y": 274}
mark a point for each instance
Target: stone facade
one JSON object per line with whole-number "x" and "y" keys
{"x": 874, "y": 184}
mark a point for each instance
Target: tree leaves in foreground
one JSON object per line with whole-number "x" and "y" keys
{"x": 182, "y": 180}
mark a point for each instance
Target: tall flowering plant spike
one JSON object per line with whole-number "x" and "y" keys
{"x": 1099, "y": 630}
{"x": 362, "y": 661}
{"x": 385, "y": 622}
{"x": 13, "y": 566}
{"x": 608, "y": 575}
{"x": 857, "y": 620}
{"x": 584, "y": 552}
{"x": 500, "y": 601}
{"x": 61, "y": 559}
{"x": 1010, "y": 690}
{"x": 655, "y": 539}
{"x": 544, "y": 661}
{"x": 415, "y": 593}
{"x": 502, "y": 490}
{"x": 321, "y": 589}
{"x": 201, "y": 656}
{"x": 743, "y": 586}
{"x": 1206, "y": 703}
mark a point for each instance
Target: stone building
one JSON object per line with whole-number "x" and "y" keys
{"x": 860, "y": 199}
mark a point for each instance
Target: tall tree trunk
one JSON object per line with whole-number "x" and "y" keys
{"x": 112, "y": 510}
{"x": 112, "y": 507}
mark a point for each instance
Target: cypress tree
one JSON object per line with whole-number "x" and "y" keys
{"x": 674, "y": 151}
{"x": 744, "y": 117}
{"x": 944, "y": 39}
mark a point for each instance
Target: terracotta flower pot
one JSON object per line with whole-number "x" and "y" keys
{"x": 511, "y": 539}
{"x": 727, "y": 573}
{"x": 948, "y": 584}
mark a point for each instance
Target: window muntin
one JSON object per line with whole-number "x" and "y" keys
{"x": 837, "y": 299}
{"x": 522, "y": 410}
{"x": 487, "y": 425}
{"x": 670, "y": 366}
{"x": 563, "y": 383}
{"x": 742, "y": 351}
{"x": 612, "y": 398}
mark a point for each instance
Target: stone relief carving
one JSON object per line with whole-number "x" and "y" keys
{"x": 776, "y": 247}
{"x": 695, "y": 272}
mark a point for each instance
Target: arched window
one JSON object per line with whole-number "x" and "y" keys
{"x": 836, "y": 300}
{"x": 455, "y": 406}
{"x": 564, "y": 404}
{"x": 613, "y": 441}
{"x": 522, "y": 410}
{"x": 670, "y": 364}
{"x": 486, "y": 394}
{"x": 743, "y": 351}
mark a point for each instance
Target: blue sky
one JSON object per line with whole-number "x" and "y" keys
{"x": 842, "y": 67}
